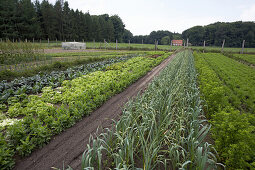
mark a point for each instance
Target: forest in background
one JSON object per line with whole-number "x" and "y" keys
{"x": 24, "y": 19}
{"x": 233, "y": 32}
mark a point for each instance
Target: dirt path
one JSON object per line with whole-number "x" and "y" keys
{"x": 68, "y": 146}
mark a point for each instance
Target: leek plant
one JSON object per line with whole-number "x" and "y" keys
{"x": 164, "y": 128}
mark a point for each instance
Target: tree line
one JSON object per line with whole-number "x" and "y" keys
{"x": 160, "y": 37}
{"x": 23, "y": 19}
{"x": 234, "y": 33}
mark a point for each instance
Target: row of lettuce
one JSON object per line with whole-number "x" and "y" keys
{"x": 164, "y": 128}
{"x": 35, "y": 118}
{"x": 228, "y": 88}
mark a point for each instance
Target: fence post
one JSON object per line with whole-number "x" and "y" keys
{"x": 129, "y": 44}
{"x": 48, "y": 42}
{"x": 116, "y": 44}
{"x": 142, "y": 41}
{"x": 187, "y": 42}
{"x": 33, "y": 40}
{"x": 155, "y": 45}
{"x": 223, "y": 43}
{"x": 104, "y": 44}
{"x": 171, "y": 45}
{"x": 26, "y": 40}
{"x": 204, "y": 47}
{"x": 94, "y": 44}
{"x": 243, "y": 46}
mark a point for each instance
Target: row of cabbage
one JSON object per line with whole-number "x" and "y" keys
{"x": 228, "y": 88}
{"x": 164, "y": 128}
{"x": 37, "y": 117}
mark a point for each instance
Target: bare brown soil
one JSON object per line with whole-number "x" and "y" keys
{"x": 69, "y": 146}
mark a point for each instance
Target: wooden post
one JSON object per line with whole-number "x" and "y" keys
{"x": 142, "y": 41}
{"x": 116, "y": 44}
{"x": 171, "y": 45}
{"x": 187, "y": 42}
{"x": 26, "y": 40}
{"x": 155, "y": 45}
{"x": 33, "y": 40}
{"x": 94, "y": 44}
{"x": 204, "y": 47}
{"x": 65, "y": 40}
{"x": 1, "y": 40}
{"x": 48, "y": 42}
{"x": 104, "y": 44}
{"x": 129, "y": 44}
{"x": 243, "y": 46}
{"x": 82, "y": 40}
{"x": 223, "y": 43}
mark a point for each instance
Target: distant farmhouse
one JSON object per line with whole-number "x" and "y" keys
{"x": 177, "y": 42}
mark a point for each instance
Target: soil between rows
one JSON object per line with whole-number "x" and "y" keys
{"x": 69, "y": 146}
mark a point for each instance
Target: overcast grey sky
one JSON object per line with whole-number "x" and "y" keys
{"x": 143, "y": 16}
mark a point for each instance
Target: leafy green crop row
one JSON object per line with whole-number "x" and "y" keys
{"x": 246, "y": 57}
{"x": 239, "y": 77}
{"x": 57, "y": 109}
{"x": 161, "y": 129}
{"x": 232, "y": 130}
{"x": 16, "y": 89}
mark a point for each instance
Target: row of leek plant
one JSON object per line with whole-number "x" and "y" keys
{"x": 162, "y": 129}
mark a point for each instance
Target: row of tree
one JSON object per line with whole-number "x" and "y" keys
{"x": 161, "y": 37}
{"x": 234, "y": 33}
{"x": 23, "y": 19}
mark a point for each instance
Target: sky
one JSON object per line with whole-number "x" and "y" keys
{"x": 143, "y": 16}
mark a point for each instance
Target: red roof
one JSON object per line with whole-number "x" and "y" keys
{"x": 177, "y": 41}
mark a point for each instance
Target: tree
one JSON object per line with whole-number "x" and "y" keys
{"x": 118, "y": 27}
{"x": 234, "y": 33}
{"x": 165, "y": 40}
{"x": 127, "y": 36}
{"x": 8, "y": 9}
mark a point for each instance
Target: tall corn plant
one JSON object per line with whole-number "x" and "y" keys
{"x": 162, "y": 129}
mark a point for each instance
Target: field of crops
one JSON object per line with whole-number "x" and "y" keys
{"x": 250, "y": 59}
{"x": 35, "y": 108}
{"x": 164, "y": 127}
{"x": 161, "y": 129}
{"x": 228, "y": 89}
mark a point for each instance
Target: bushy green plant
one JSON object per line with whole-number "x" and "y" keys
{"x": 233, "y": 128}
